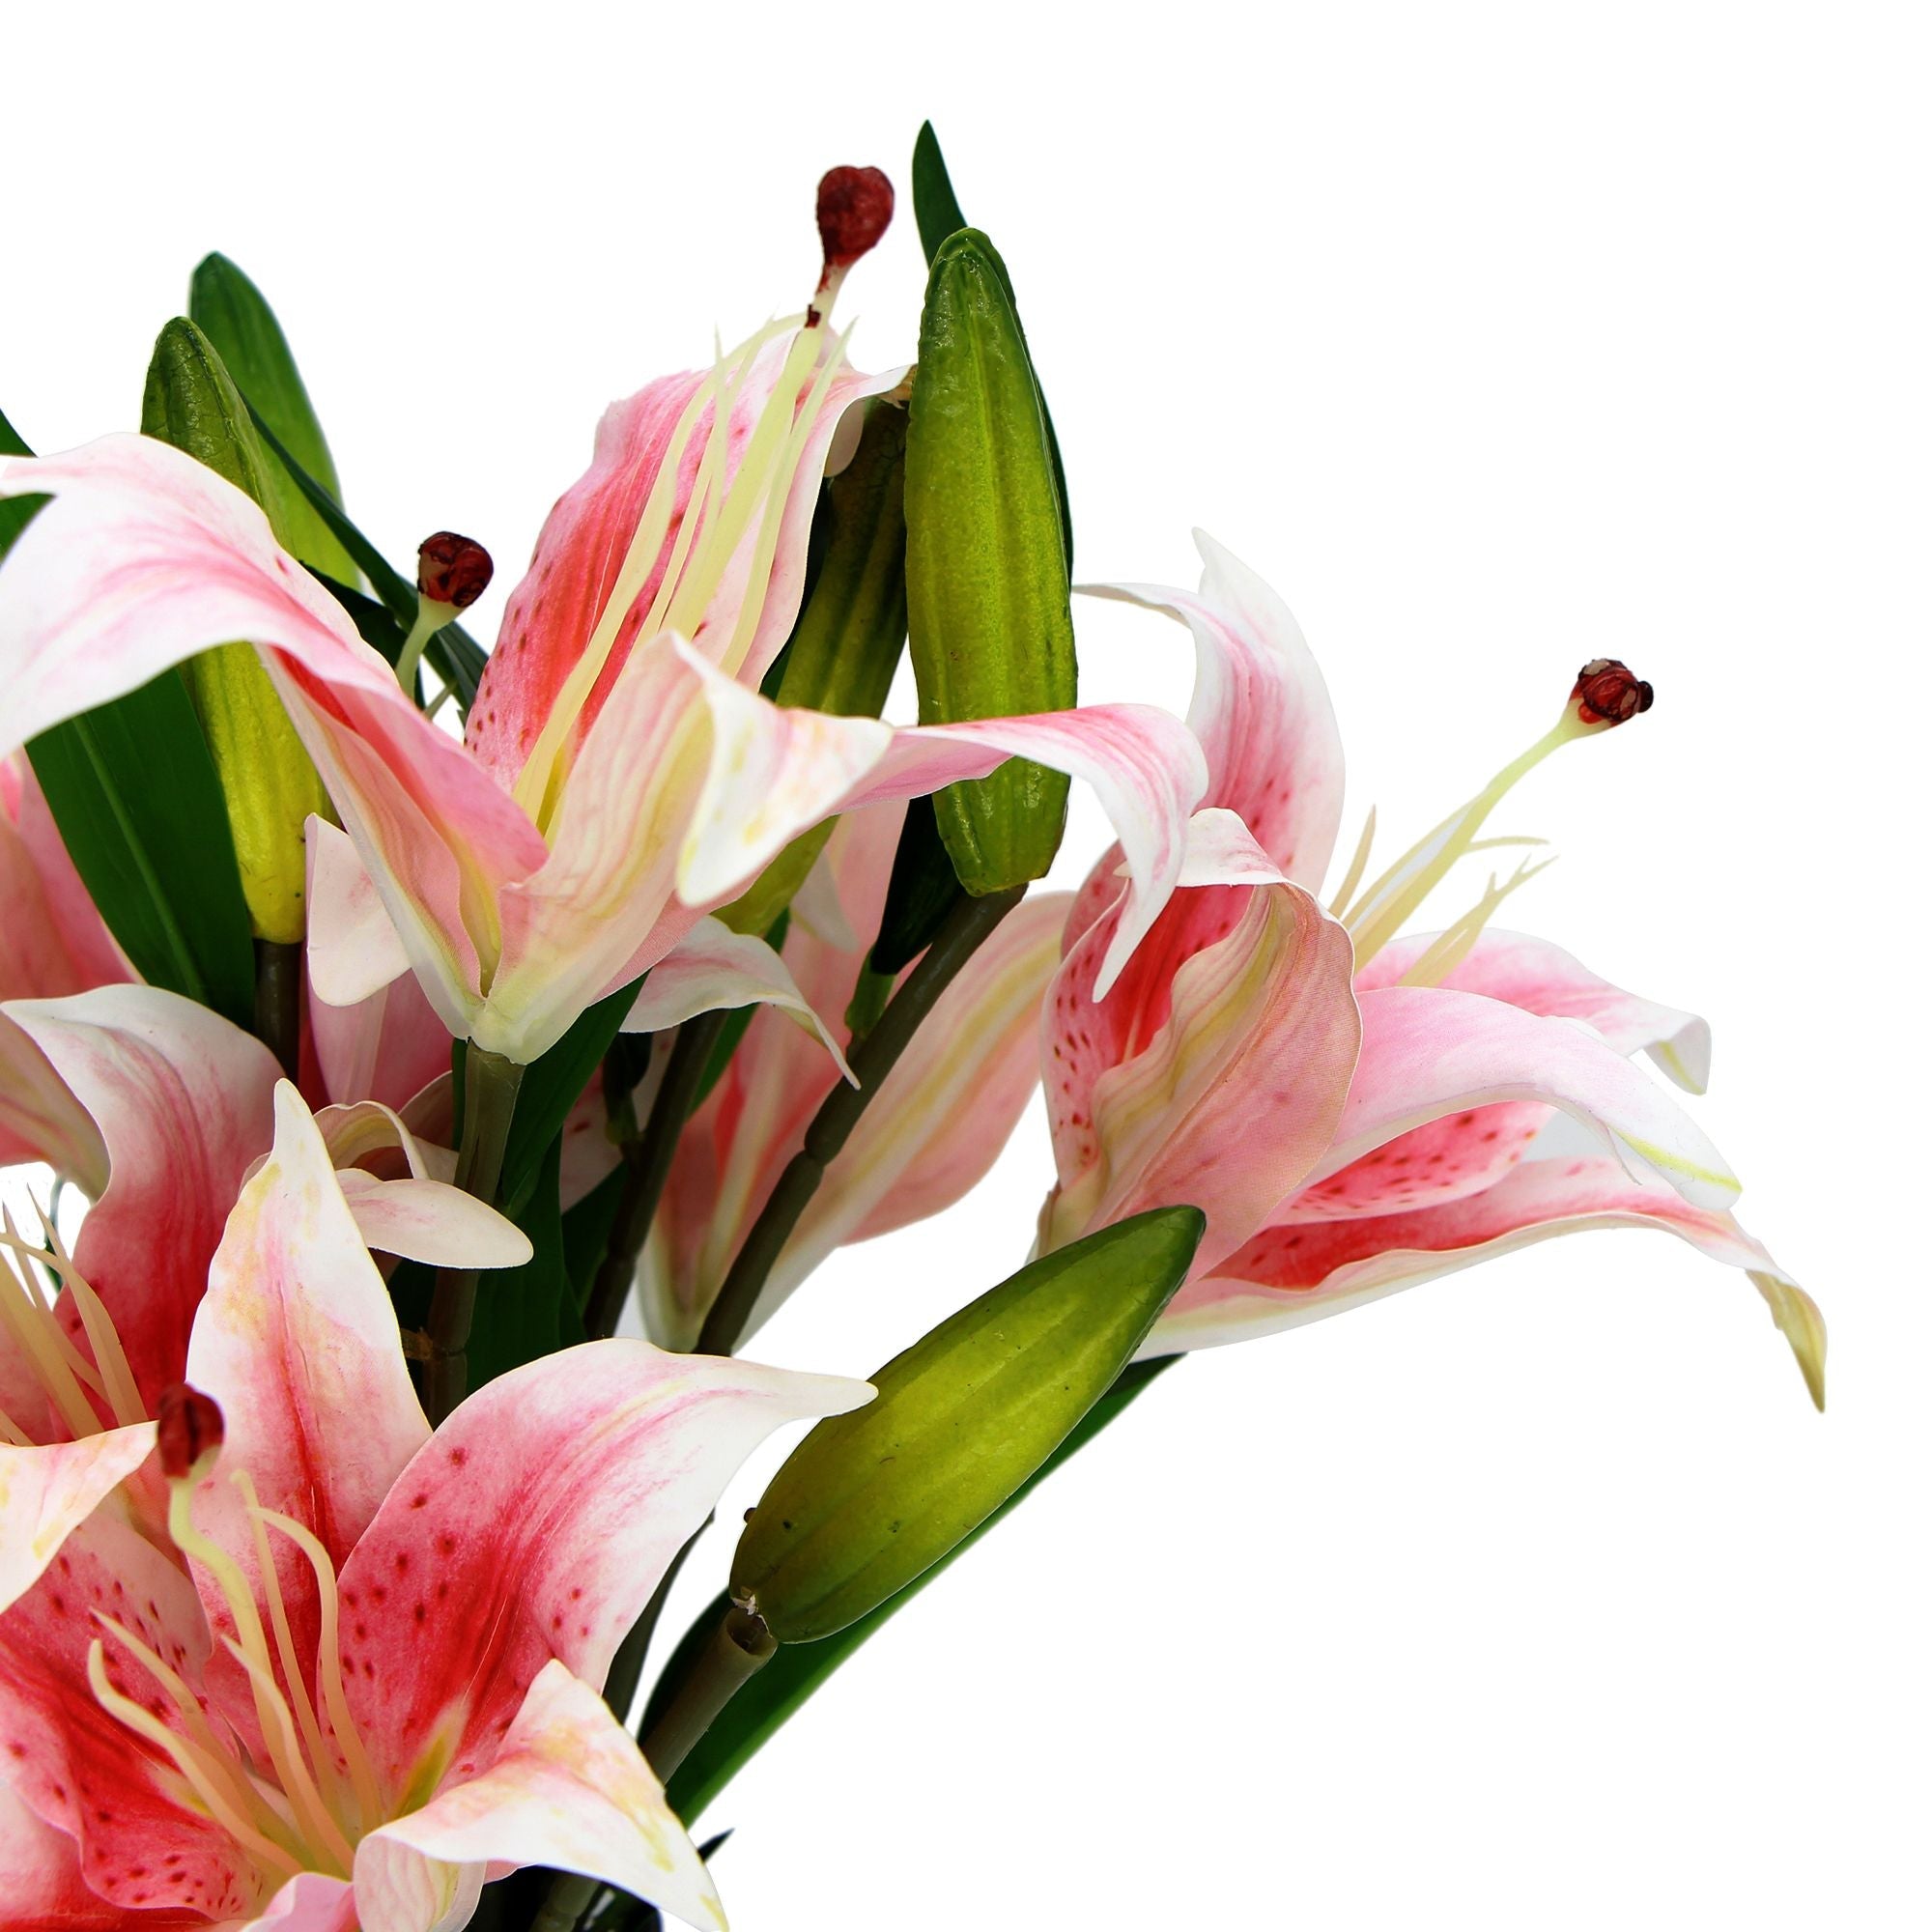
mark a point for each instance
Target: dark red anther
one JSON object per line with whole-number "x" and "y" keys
{"x": 452, "y": 569}
{"x": 1607, "y": 692}
{"x": 188, "y": 1425}
{"x": 855, "y": 208}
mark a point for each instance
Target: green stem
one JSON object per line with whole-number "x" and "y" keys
{"x": 490, "y": 1085}
{"x": 430, "y": 617}
{"x": 647, "y": 1163}
{"x": 966, "y": 927}
{"x": 278, "y": 1001}
{"x": 740, "y": 1647}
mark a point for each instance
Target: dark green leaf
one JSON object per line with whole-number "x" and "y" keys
{"x": 529, "y": 1312}
{"x": 799, "y": 1670}
{"x": 933, "y": 201}
{"x": 452, "y": 649}
{"x": 587, "y": 1232}
{"x": 134, "y": 793}
{"x": 920, "y": 893}
{"x": 551, "y": 1086}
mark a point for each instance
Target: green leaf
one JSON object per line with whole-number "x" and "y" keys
{"x": 790, "y": 1678}
{"x": 526, "y": 1312}
{"x": 230, "y": 311}
{"x": 135, "y": 795}
{"x": 452, "y": 649}
{"x": 551, "y": 1086}
{"x": 934, "y": 205}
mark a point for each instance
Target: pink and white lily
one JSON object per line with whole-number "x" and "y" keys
{"x": 1354, "y": 1110}
{"x": 929, "y": 1135}
{"x": 178, "y": 1106}
{"x": 360, "y": 1675}
{"x": 622, "y": 775}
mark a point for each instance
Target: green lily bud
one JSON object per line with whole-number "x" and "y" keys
{"x": 268, "y": 782}
{"x": 845, "y": 647}
{"x": 870, "y": 1500}
{"x": 986, "y": 575}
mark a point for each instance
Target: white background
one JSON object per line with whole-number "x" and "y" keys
{"x": 1498, "y": 338}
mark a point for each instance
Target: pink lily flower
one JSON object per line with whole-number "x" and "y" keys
{"x": 1357, "y": 1111}
{"x": 360, "y": 1674}
{"x": 929, "y": 1135}
{"x": 621, "y": 776}
{"x": 178, "y": 1105}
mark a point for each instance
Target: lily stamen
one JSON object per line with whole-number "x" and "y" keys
{"x": 1604, "y": 695}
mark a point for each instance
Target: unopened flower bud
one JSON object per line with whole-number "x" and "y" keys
{"x": 188, "y": 1426}
{"x": 855, "y": 208}
{"x": 1607, "y": 692}
{"x": 453, "y": 569}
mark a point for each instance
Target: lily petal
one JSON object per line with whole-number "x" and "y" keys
{"x": 41, "y": 1886}
{"x": 47, "y": 1493}
{"x": 1540, "y": 978}
{"x": 712, "y": 967}
{"x": 354, "y": 950}
{"x": 582, "y": 548}
{"x": 78, "y": 1768}
{"x": 1233, "y": 1099}
{"x": 776, "y": 772}
{"x": 569, "y": 1789}
{"x": 297, "y": 1340}
{"x": 184, "y": 1102}
{"x": 517, "y": 1534}
{"x": 1261, "y": 709}
{"x": 1428, "y": 1052}
{"x": 431, "y": 1221}
{"x": 942, "y": 1115}
{"x": 1288, "y": 1275}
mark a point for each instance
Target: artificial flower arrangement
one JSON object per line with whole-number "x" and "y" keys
{"x": 407, "y": 1014}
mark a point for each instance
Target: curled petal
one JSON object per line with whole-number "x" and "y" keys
{"x": 433, "y": 1222}
{"x": 354, "y": 950}
{"x": 1294, "y": 1273}
{"x": 1543, "y": 979}
{"x": 184, "y": 1102}
{"x": 1428, "y": 1052}
{"x": 713, "y": 967}
{"x": 1260, "y": 710}
{"x": 568, "y": 1789}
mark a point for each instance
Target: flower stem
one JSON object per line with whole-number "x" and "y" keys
{"x": 966, "y": 927}
{"x": 740, "y": 1647}
{"x": 647, "y": 1162}
{"x": 278, "y": 1001}
{"x": 490, "y": 1085}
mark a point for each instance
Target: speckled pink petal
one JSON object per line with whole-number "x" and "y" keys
{"x": 1260, "y": 710}
{"x": 1235, "y": 1097}
{"x": 184, "y": 1102}
{"x": 535, "y": 1523}
{"x": 41, "y": 1886}
{"x": 298, "y": 1342}
{"x": 570, "y": 1790}
{"x": 582, "y": 548}
{"x": 80, "y": 1770}
{"x": 1287, "y": 1275}
{"x": 47, "y": 1493}
{"x": 1427, "y": 1053}
{"x": 1540, "y": 978}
